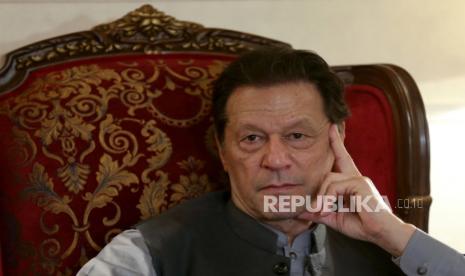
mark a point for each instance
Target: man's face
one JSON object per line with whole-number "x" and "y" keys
{"x": 276, "y": 143}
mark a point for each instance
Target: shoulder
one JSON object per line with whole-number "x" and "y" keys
{"x": 187, "y": 215}
{"x": 125, "y": 254}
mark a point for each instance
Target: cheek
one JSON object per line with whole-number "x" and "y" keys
{"x": 316, "y": 161}
{"x": 242, "y": 168}
{"x": 238, "y": 158}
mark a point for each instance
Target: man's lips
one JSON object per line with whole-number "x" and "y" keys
{"x": 279, "y": 187}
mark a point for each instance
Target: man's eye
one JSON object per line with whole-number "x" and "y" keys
{"x": 296, "y": 136}
{"x": 251, "y": 138}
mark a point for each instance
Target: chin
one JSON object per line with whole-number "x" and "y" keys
{"x": 282, "y": 215}
{"x": 279, "y": 216}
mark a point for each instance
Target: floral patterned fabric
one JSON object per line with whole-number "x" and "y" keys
{"x": 93, "y": 147}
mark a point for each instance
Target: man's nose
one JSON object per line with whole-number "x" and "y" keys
{"x": 276, "y": 156}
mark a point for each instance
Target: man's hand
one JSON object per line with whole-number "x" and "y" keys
{"x": 382, "y": 227}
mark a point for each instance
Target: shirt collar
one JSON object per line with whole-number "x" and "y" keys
{"x": 271, "y": 239}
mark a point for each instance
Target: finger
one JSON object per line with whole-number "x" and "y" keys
{"x": 336, "y": 193}
{"x": 312, "y": 216}
{"x": 328, "y": 181}
{"x": 364, "y": 197}
{"x": 330, "y": 178}
{"x": 316, "y": 217}
{"x": 338, "y": 189}
{"x": 342, "y": 160}
{"x": 354, "y": 185}
{"x": 346, "y": 187}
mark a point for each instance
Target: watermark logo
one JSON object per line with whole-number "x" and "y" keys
{"x": 408, "y": 203}
{"x": 328, "y": 203}
{"x": 322, "y": 203}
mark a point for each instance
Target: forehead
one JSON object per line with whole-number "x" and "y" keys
{"x": 277, "y": 105}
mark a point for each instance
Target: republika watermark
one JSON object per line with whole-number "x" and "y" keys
{"x": 325, "y": 203}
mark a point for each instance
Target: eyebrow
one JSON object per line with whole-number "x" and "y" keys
{"x": 249, "y": 126}
{"x": 314, "y": 129}
{"x": 304, "y": 122}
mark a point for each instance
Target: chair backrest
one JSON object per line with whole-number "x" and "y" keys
{"x": 387, "y": 136}
{"x": 103, "y": 128}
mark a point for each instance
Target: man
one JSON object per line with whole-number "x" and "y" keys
{"x": 279, "y": 119}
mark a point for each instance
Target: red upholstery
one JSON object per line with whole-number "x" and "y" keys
{"x": 371, "y": 137}
{"x": 94, "y": 146}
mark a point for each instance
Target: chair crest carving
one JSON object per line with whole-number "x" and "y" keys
{"x": 147, "y": 25}
{"x": 144, "y": 30}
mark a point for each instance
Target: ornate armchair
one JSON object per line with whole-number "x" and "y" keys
{"x": 103, "y": 128}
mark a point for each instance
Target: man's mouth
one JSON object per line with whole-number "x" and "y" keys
{"x": 277, "y": 188}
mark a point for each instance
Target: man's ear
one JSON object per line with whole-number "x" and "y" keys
{"x": 342, "y": 130}
{"x": 220, "y": 148}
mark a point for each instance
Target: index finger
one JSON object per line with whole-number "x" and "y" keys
{"x": 342, "y": 160}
